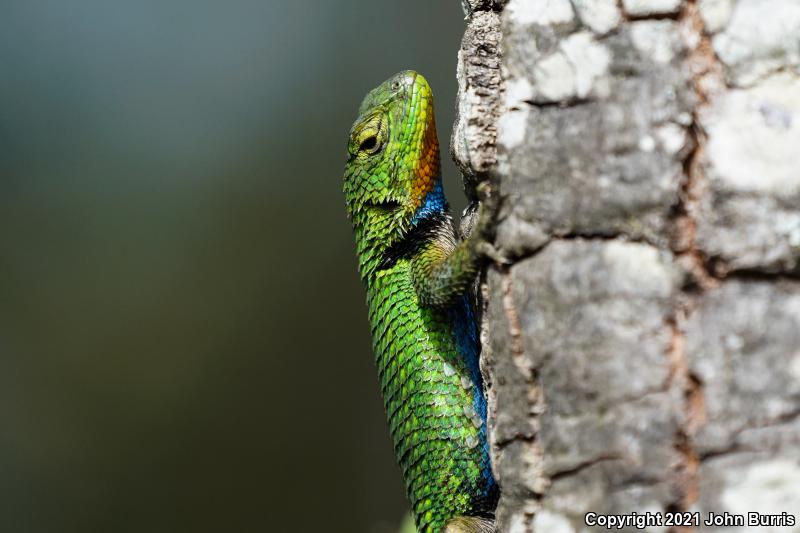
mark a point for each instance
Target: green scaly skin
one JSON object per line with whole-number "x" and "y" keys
{"x": 418, "y": 279}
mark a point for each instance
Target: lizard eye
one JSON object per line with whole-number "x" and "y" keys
{"x": 369, "y": 144}
{"x": 369, "y": 136}
{"x": 395, "y": 85}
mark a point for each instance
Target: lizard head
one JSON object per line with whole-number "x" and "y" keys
{"x": 393, "y": 163}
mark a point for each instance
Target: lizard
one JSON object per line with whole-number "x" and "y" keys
{"x": 419, "y": 282}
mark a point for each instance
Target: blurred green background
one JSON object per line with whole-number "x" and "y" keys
{"x": 183, "y": 335}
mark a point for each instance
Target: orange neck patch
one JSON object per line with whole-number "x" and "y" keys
{"x": 427, "y": 168}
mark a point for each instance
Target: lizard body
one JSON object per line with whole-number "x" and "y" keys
{"x": 419, "y": 279}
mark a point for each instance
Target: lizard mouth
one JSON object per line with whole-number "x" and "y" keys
{"x": 387, "y": 206}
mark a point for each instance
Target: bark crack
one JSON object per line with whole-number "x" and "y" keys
{"x": 693, "y": 415}
{"x": 634, "y": 17}
{"x": 583, "y": 465}
{"x": 535, "y": 396}
{"x": 512, "y": 316}
{"x": 737, "y": 447}
{"x": 705, "y": 71}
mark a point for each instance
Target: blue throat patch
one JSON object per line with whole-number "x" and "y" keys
{"x": 434, "y": 203}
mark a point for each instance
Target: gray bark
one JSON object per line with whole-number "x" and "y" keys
{"x": 642, "y": 350}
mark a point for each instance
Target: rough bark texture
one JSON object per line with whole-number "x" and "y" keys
{"x": 643, "y": 348}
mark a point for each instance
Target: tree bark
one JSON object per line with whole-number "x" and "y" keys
{"x": 642, "y": 350}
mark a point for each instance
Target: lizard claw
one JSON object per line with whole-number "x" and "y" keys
{"x": 487, "y": 210}
{"x": 484, "y": 191}
{"x": 487, "y": 249}
{"x": 489, "y": 200}
{"x": 488, "y": 195}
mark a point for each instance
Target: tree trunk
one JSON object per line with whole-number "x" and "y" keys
{"x": 642, "y": 350}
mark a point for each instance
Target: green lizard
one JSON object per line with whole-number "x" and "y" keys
{"x": 424, "y": 333}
